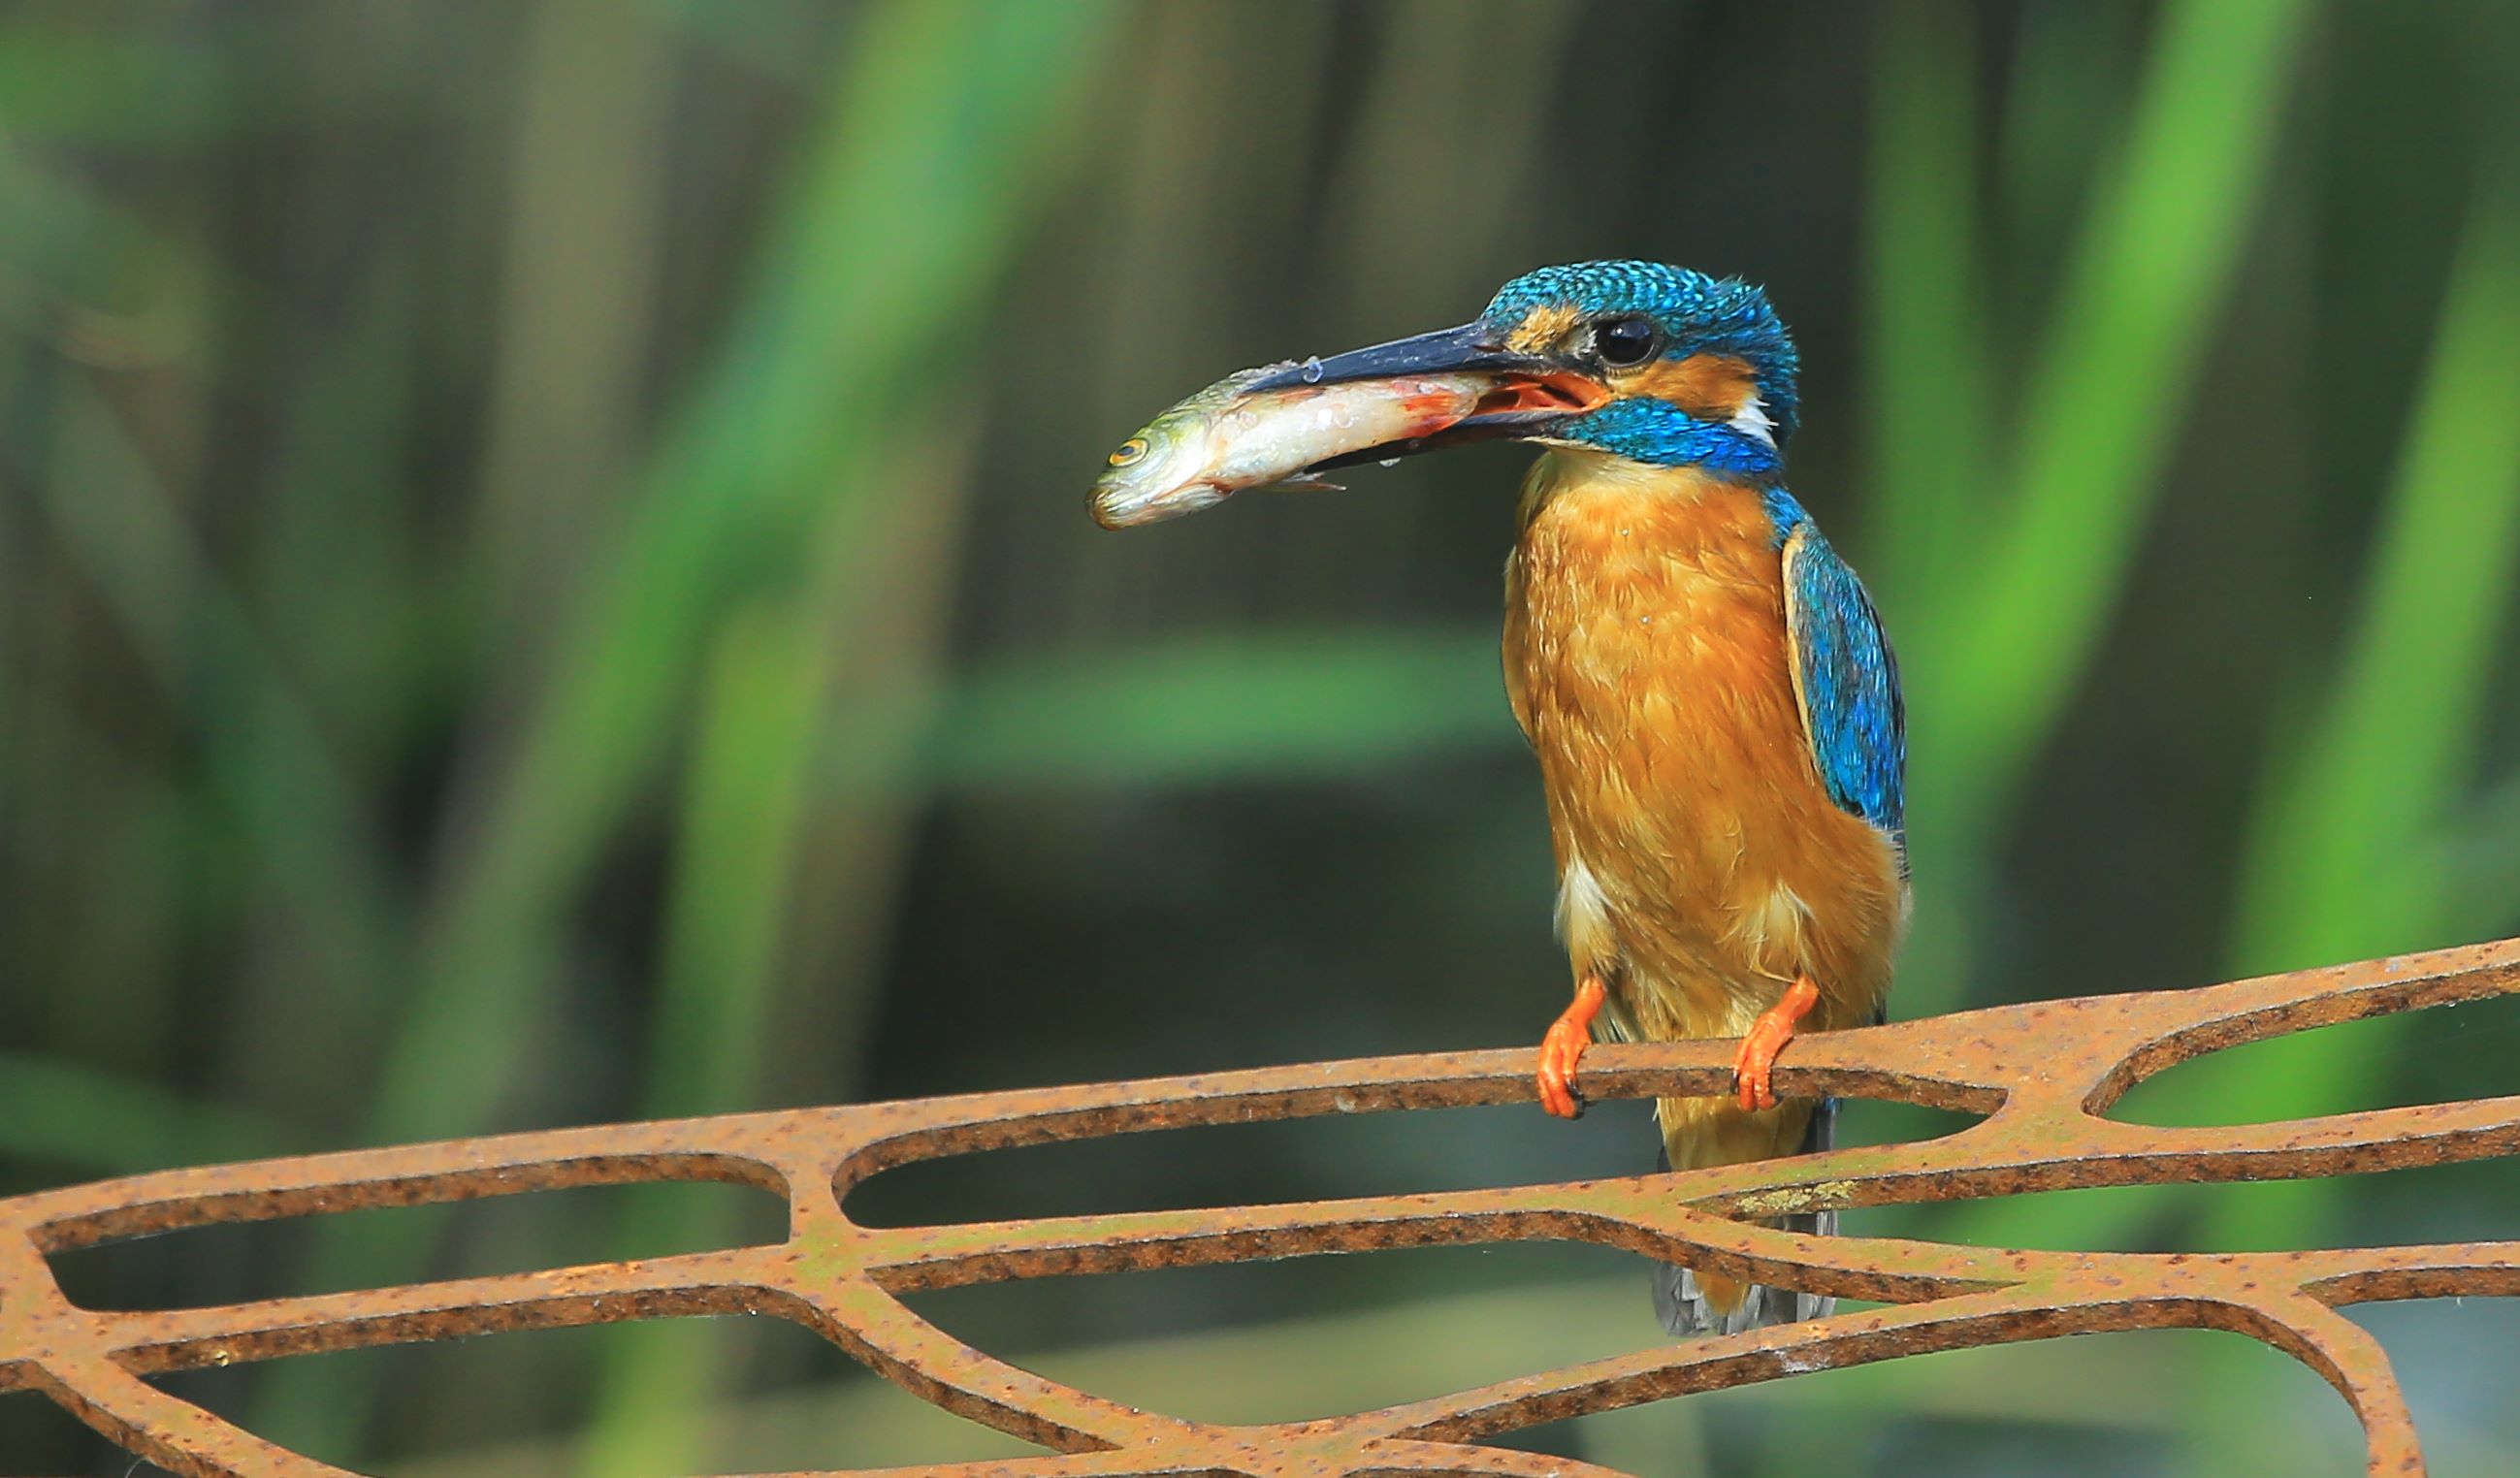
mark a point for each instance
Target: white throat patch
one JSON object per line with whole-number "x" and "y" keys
{"x": 1752, "y": 421}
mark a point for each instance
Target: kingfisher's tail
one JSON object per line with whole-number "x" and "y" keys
{"x": 1700, "y": 1132}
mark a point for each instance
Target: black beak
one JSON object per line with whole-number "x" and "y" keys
{"x": 1467, "y": 349}
{"x": 1529, "y": 393}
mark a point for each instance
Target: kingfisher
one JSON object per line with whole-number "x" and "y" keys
{"x": 1709, "y": 692}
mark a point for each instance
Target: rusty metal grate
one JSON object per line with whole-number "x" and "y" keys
{"x": 2041, "y": 1073}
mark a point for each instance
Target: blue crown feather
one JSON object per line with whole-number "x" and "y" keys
{"x": 1697, "y": 314}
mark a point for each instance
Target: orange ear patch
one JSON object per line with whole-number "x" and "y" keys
{"x": 1541, "y": 330}
{"x": 1708, "y": 386}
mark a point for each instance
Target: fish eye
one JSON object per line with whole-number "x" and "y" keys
{"x": 1624, "y": 341}
{"x": 1132, "y": 450}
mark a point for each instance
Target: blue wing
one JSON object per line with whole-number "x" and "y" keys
{"x": 1847, "y": 680}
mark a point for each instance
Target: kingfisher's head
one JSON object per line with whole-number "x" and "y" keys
{"x": 1658, "y": 365}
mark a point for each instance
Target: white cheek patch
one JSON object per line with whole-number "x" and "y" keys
{"x": 1752, "y": 421}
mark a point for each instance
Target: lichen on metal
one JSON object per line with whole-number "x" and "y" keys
{"x": 2044, "y": 1075}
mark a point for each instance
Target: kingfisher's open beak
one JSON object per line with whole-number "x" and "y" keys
{"x": 1527, "y": 394}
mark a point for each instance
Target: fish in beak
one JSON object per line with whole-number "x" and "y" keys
{"x": 1521, "y": 395}
{"x": 1285, "y": 424}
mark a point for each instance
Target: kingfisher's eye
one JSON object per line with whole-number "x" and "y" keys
{"x": 1627, "y": 340}
{"x": 1130, "y": 451}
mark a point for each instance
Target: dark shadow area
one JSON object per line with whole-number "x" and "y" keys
{"x": 2440, "y": 1055}
{"x": 237, "y": 1261}
{"x": 1284, "y": 1160}
{"x": 40, "y": 1440}
{"x": 1867, "y": 1120}
{"x": 765, "y": 1395}
{"x": 2121, "y": 1405}
{"x": 1313, "y": 1336}
{"x": 2454, "y": 1357}
{"x": 1327, "y": 1158}
{"x": 2470, "y": 1201}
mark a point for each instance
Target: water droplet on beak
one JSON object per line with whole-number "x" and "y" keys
{"x": 1312, "y": 370}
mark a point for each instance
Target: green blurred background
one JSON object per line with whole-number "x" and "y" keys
{"x": 543, "y": 580}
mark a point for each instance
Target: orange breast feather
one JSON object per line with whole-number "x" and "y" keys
{"x": 1702, "y": 864}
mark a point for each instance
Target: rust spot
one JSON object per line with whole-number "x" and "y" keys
{"x": 2040, "y": 1070}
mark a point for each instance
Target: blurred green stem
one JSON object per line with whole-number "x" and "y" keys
{"x": 743, "y": 806}
{"x": 949, "y": 123}
{"x": 586, "y": 209}
{"x": 103, "y": 1124}
{"x": 2335, "y": 867}
{"x": 1930, "y": 360}
{"x": 779, "y": 676}
{"x": 1992, "y": 655}
{"x": 2344, "y": 858}
{"x": 286, "y": 790}
{"x": 2104, "y": 397}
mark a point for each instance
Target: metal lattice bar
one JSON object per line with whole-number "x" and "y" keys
{"x": 2041, "y": 1074}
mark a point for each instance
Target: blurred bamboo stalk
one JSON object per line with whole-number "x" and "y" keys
{"x": 585, "y": 219}
{"x": 1993, "y": 648}
{"x": 107, "y": 1124}
{"x": 947, "y": 125}
{"x": 2118, "y": 361}
{"x": 1184, "y": 711}
{"x": 1929, "y": 359}
{"x": 885, "y": 624}
{"x": 1992, "y": 654}
{"x": 2343, "y": 859}
{"x": 741, "y": 812}
{"x": 747, "y": 916}
{"x": 274, "y": 770}
{"x": 1411, "y": 232}
{"x": 2338, "y": 864}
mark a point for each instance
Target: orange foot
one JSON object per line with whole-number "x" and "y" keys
{"x": 1563, "y": 1047}
{"x": 1767, "y": 1037}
